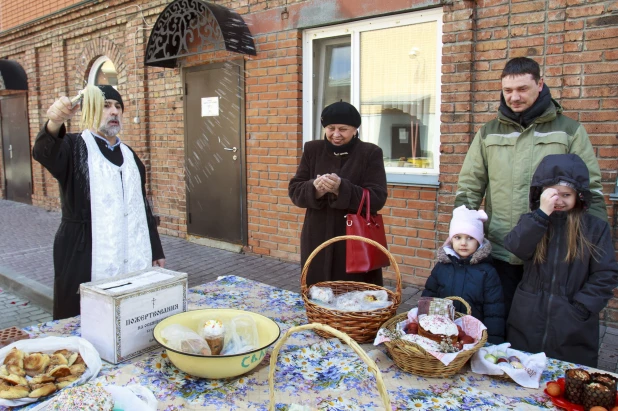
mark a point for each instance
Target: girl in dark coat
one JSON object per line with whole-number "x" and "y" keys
{"x": 464, "y": 270}
{"x": 329, "y": 183}
{"x": 569, "y": 265}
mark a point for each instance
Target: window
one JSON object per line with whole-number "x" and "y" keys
{"x": 388, "y": 68}
{"x": 103, "y": 72}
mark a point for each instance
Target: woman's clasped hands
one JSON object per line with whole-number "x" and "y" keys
{"x": 327, "y": 183}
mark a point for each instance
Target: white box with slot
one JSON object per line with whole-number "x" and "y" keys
{"x": 118, "y": 314}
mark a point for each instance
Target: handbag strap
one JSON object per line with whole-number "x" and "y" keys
{"x": 365, "y": 197}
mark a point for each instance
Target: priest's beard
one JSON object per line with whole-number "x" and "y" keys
{"x": 111, "y": 130}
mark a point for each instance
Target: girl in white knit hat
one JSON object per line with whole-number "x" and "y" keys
{"x": 464, "y": 270}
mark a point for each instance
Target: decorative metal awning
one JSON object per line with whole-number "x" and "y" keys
{"x": 189, "y": 27}
{"x": 12, "y": 76}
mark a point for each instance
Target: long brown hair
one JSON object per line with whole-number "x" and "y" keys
{"x": 577, "y": 243}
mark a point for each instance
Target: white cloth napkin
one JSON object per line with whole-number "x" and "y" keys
{"x": 528, "y": 376}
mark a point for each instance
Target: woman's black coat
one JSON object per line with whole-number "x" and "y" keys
{"x": 362, "y": 168}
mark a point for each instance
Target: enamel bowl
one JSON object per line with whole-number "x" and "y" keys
{"x": 218, "y": 366}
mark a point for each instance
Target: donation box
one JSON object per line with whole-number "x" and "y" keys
{"x": 119, "y": 313}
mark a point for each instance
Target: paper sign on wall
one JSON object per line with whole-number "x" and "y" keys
{"x": 210, "y": 106}
{"x": 403, "y": 135}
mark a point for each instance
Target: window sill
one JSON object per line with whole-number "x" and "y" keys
{"x": 417, "y": 180}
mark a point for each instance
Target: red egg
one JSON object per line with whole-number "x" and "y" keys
{"x": 467, "y": 339}
{"x": 411, "y": 328}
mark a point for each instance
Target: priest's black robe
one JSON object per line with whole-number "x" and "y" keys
{"x": 362, "y": 168}
{"x": 66, "y": 158}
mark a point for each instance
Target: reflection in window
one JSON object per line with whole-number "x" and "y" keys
{"x": 106, "y": 74}
{"x": 398, "y": 93}
{"x": 332, "y": 67}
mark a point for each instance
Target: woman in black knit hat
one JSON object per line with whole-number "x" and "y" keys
{"x": 329, "y": 183}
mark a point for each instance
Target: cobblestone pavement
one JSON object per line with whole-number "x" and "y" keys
{"x": 26, "y": 271}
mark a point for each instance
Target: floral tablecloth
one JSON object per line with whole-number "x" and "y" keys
{"x": 321, "y": 373}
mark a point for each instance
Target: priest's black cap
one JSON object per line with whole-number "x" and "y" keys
{"x": 111, "y": 94}
{"x": 341, "y": 113}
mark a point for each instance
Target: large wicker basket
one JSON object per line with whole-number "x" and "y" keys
{"x": 412, "y": 358}
{"x": 326, "y": 330}
{"x": 362, "y": 326}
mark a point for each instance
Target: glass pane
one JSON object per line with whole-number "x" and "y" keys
{"x": 332, "y": 70}
{"x": 398, "y": 93}
{"x": 106, "y": 74}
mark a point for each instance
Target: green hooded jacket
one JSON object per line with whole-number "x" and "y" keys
{"x": 502, "y": 159}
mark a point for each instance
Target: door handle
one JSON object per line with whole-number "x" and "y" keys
{"x": 233, "y": 149}
{"x": 10, "y": 151}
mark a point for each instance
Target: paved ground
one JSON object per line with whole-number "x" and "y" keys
{"x": 26, "y": 271}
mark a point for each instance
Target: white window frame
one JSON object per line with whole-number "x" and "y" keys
{"x": 92, "y": 75}
{"x": 395, "y": 175}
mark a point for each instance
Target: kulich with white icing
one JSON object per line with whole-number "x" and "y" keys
{"x": 213, "y": 328}
{"x": 438, "y": 324}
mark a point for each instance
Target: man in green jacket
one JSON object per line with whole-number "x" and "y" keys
{"x": 507, "y": 150}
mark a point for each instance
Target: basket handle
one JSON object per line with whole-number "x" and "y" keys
{"x": 461, "y": 300}
{"x": 303, "y": 276}
{"x": 371, "y": 365}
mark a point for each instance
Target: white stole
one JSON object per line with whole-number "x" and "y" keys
{"x": 120, "y": 236}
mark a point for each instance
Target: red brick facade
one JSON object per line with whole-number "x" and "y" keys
{"x": 575, "y": 41}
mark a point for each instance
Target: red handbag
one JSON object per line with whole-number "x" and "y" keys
{"x": 362, "y": 257}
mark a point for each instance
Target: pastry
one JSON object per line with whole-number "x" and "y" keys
{"x": 13, "y": 379}
{"x": 42, "y": 390}
{"x": 575, "y": 380}
{"x": 66, "y": 381}
{"x": 78, "y": 359}
{"x": 59, "y": 371}
{"x": 604, "y": 379}
{"x": 373, "y": 296}
{"x": 77, "y": 369}
{"x": 213, "y": 332}
{"x": 14, "y": 392}
{"x": 42, "y": 379}
{"x": 15, "y": 370}
{"x": 437, "y": 328}
{"x": 72, "y": 358}
{"x": 36, "y": 363}
{"x": 598, "y": 394}
{"x": 83, "y": 397}
{"x": 57, "y": 359}
{"x": 15, "y": 357}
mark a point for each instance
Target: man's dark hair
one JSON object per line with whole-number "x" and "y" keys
{"x": 522, "y": 65}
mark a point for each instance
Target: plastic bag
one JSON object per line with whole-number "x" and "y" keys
{"x": 241, "y": 335}
{"x": 181, "y": 338}
{"x": 323, "y": 295}
{"x": 362, "y": 300}
{"x": 48, "y": 345}
{"x": 132, "y": 398}
{"x": 129, "y": 398}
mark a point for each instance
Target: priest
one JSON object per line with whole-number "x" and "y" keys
{"x": 107, "y": 226}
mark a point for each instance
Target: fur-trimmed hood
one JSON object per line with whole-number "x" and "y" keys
{"x": 482, "y": 253}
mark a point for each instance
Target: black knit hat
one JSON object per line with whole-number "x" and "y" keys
{"x": 341, "y": 113}
{"x": 111, "y": 93}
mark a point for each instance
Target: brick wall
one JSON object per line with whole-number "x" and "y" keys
{"x": 14, "y": 13}
{"x": 575, "y": 41}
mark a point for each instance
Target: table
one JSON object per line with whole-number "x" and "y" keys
{"x": 311, "y": 370}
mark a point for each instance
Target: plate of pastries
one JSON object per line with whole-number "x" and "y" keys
{"x": 37, "y": 374}
{"x": 581, "y": 390}
{"x": 35, "y": 369}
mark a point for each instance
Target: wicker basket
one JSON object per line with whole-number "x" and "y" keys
{"x": 414, "y": 359}
{"x": 362, "y": 326}
{"x": 325, "y": 329}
